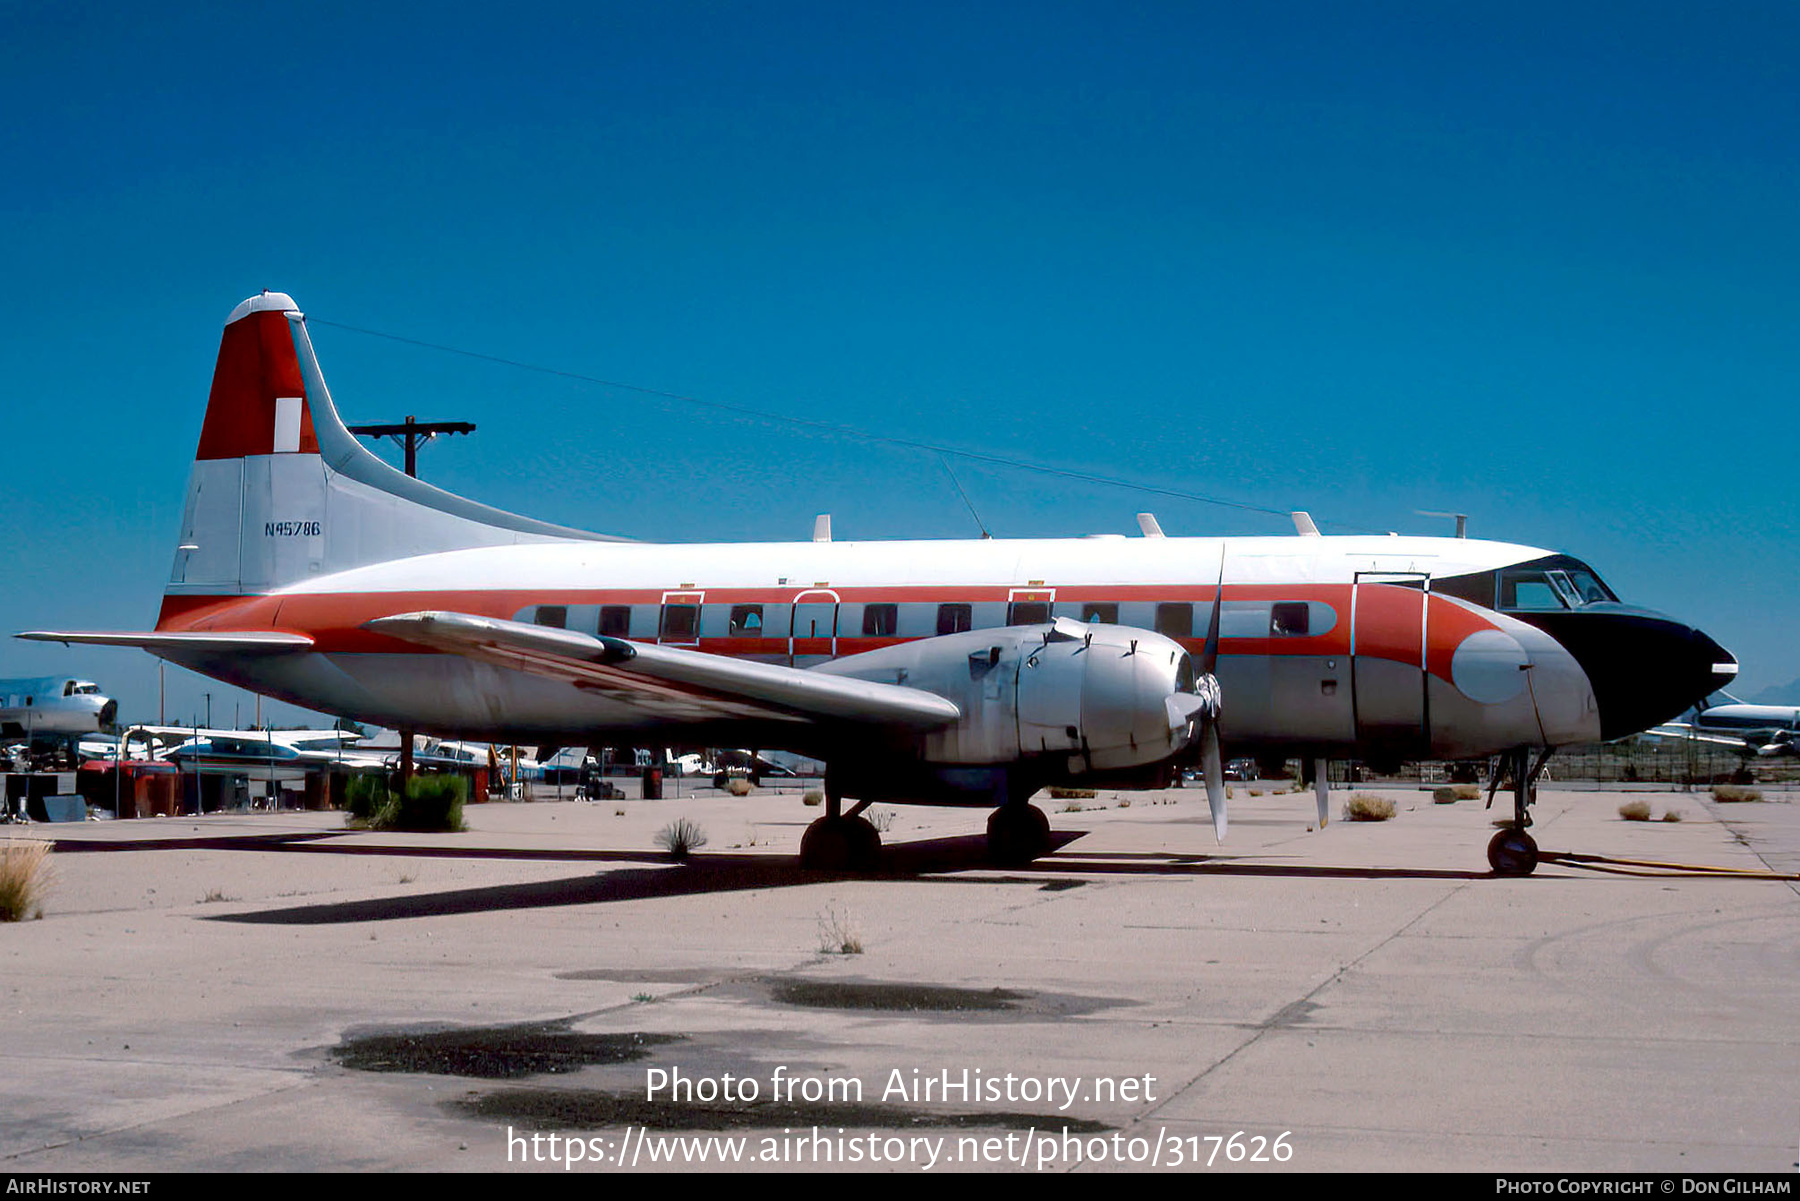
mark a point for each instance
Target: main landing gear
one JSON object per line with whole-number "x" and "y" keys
{"x": 1017, "y": 833}
{"x": 839, "y": 841}
{"x": 1513, "y": 852}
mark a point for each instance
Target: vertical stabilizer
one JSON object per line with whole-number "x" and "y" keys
{"x": 282, "y": 492}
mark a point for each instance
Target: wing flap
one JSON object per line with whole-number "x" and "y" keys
{"x": 671, "y": 677}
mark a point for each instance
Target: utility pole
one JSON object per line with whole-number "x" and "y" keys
{"x": 412, "y": 434}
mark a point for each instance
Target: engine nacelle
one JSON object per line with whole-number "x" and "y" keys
{"x": 1060, "y": 700}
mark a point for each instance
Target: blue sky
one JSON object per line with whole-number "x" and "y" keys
{"x": 1531, "y": 262}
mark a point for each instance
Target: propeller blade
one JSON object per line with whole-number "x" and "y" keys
{"x": 1322, "y": 791}
{"x": 1213, "y": 765}
{"x": 1209, "y": 658}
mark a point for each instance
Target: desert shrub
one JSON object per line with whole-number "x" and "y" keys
{"x": 681, "y": 837}
{"x": 1733, "y": 793}
{"x": 1367, "y": 807}
{"x": 24, "y": 878}
{"x": 738, "y": 787}
{"x": 1635, "y": 811}
{"x": 1072, "y": 794}
{"x": 813, "y": 797}
{"x": 364, "y": 796}
{"x": 429, "y": 804}
{"x": 1468, "y": 792}
{"x": 838, "y": 932}
{"x": 1673, "y": 815}
{"x": 1445, "y": 795}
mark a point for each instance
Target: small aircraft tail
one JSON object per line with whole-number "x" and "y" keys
{"x": 282, "y": 492}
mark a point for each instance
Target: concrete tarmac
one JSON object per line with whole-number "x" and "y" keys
{"x": 267, "y": 992}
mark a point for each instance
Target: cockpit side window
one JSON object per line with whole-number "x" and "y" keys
{"x": 1529, "y": 589}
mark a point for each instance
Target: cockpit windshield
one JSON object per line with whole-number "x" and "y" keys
{"x": 1555, "y": 583}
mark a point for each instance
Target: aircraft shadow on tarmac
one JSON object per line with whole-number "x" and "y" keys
{"x": 706, "y": 873}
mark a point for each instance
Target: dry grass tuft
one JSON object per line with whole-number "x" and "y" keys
{"x": 1635, "y": 811}
{"x": 25, "y": 876}
{"x": 1073, "y": 794}
{"x": 838, "y": 932}
{"x": 813, "y": 797}
{"x": 1367, "y": 807}
{"x": 881, "y": 819}
{"x": 738, "y": 787}
{"x": 1735, "y": 793}
{"x": 681, "y": 837}
{"x": 1070, "y": 807}
{"x": 1673, "y": 815}
{"x": 1467, "y": 792}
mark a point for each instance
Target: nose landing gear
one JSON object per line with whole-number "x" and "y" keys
{"x": 1513, "y": 852}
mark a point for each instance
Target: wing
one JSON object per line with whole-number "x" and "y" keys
{"x": 668, "y": 680}
{"x": 266, "y": 641}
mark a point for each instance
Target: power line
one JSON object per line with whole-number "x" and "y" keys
{"x": 829, "y": 427}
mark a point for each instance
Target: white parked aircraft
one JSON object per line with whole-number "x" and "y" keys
{"x": 1768, "y": 730}
{"x": 950, "y": 672}
{"x": 53, "y": 706}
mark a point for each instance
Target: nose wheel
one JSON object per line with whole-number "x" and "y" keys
{"x": 1513, "y": 852}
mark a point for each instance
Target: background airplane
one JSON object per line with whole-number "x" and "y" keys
{"x": 955, "y": 672}
{"x": 43, "y": 706}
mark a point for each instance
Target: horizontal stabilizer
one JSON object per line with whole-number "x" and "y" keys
{"x": 707, "y": 681}
{"x": 236, "y": 642}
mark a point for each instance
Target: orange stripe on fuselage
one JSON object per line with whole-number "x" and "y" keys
{"x": 1387, "y": 616}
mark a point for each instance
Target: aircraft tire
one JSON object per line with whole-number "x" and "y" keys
{"x": 1513, "y": 852}
{"x": 837, "y": 844}
{"x": 1017, "y": 834}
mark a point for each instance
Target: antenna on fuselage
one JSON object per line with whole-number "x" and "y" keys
{"x": 957, "y": 484}
{"x": 1147, "y": 522}
{"x": 1462, "y": 520}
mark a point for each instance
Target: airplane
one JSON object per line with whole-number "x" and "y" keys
{"x": 1767, "y": 730}
{"x": 967, "y": 672}
{"x": 53, "y": 706}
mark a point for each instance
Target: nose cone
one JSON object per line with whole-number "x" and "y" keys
{"x": 1645, "y": 668}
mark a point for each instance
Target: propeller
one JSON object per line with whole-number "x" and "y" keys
{"x": 1212, "y": 760}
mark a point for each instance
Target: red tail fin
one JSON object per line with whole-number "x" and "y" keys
{"x": 258, "y": 402}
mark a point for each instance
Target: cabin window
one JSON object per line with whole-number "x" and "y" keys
{"x": 69, "y": 688}
{"x": 1105, "y": 612}
{"x": 746, "y": 621}
{"x": 680, "y": 623}
{"x": 615, "y": 621}
{"x": 554, "y": 616}
{"x": 880, "y": 621}
{"x": 1290, "y": 618}
{"x": 1027, "y": 613}
{"x": 1175, "y": 620}
{"x": 954, "y": 619}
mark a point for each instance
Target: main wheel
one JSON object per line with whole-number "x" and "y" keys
{"x": 1513, "y": 852}
{"x": 1017, "y": 834}
{"x": 837, "y": 844}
